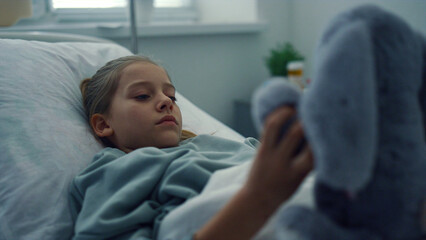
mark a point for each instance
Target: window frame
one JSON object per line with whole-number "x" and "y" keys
{"x": 43, "y": 20}
{"x": 182, "y": 14}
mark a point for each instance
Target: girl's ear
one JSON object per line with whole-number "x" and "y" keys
{"x": 100, "y": 126}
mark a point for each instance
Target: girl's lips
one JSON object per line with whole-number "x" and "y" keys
{"x": 168, "y": 119}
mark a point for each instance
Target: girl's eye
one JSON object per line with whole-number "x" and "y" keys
{"x": 142, "y": 97}
{"x": 173, "y": 98}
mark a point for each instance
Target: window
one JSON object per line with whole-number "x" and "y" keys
{"x": 64, "y": 4}
{"x": 113, "y": 10}
{"x": 57, "y": 4}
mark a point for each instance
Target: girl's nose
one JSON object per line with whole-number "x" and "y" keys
{"x": 165, "y": 104}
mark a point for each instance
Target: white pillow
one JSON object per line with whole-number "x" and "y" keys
{"x": 45, "y": 139}
{"x": 199, "y": 122}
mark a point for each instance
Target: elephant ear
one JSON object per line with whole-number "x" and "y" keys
{"x": 339, "y": 110}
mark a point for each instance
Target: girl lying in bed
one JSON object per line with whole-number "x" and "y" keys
{"x": 150, "y": 166}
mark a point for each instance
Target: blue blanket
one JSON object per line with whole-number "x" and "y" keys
{"x": 125, "y": 196}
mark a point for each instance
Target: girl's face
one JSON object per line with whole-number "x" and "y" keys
{"x": 143, "y": 110}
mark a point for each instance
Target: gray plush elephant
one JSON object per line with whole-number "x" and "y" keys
{"x": 364, "y": 117}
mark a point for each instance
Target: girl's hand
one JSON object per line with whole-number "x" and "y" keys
{"x": 275, "y": 175}
{"x": 277, "y": 172}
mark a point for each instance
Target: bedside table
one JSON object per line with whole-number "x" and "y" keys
{"x": 242, "y": 120}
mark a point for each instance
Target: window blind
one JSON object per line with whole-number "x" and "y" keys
{"x": 63, "y": 4}
{"x": 116, "y": 10}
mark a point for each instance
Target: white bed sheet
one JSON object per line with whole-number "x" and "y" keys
{"x": 221, "y": 187}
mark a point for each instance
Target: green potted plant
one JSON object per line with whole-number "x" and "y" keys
{"x": 279, "y": 57}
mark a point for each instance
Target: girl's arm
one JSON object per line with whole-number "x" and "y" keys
{"x": 275, "y": 175}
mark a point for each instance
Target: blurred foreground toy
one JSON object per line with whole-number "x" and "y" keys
{"x": 364, "y": 117}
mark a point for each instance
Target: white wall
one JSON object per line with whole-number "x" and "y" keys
{"x": 214, "y": 70}
{"x": 309, "y": 17}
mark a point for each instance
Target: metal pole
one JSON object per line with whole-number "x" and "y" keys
{"x": 134, "y": 33}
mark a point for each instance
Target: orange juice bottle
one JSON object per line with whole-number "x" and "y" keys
{"x": 295, "y": 73}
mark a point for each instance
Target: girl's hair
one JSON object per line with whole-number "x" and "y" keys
{"x": 98, "y": 90}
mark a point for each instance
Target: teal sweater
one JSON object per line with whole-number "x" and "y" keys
{"x": 126, "y": 196}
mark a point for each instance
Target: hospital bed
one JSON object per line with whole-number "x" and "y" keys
{"x": 45, "y": 139}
